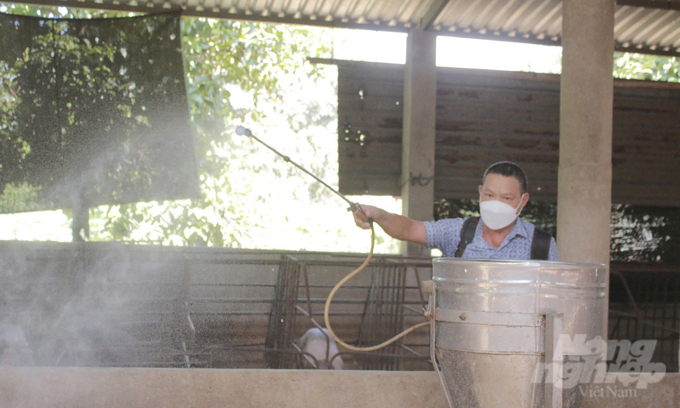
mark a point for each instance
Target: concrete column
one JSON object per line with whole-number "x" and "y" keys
{"x": 420, "y": 104}
{"x": 585, "y": 169}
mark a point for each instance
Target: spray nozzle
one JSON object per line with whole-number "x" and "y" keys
{"x": 243, "y": 131}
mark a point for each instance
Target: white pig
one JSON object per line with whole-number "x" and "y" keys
{"x": 314, "y": 343}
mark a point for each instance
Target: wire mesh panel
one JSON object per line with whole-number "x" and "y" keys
{"x": 383, "y": 315}
{"x": 282, "y": 316}
{"x": 645, "y": 305}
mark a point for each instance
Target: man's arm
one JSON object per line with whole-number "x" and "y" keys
{"x": 396, "y": 226}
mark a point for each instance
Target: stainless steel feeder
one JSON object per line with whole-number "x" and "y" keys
{"x": 496, "y": 322}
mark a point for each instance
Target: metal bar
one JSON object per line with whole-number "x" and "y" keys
{"x": 311, "y": 319}
{"x": 309, "y": 296}
{"x": 388, "y": 302}
{"x": 489, "y": 318}
{"x": 251, "y": 313}
{"x": 381, "y": 308}
{"x": 664, "y": 302}
{"x": 417, "y": 344}
{"x": 195, "y": 256}
{"x": 352, "y": 206}
{"x": 646, "y": 301}
{"x": 309, "y": 358}
{"x": 637, "y": 318}
{"x": 400, "y": 307}
{"x": 363, "y": 313}
{"x": 553, "y": 356}
{"x": 653, "y": 4}
{"x": 613, "y": 331}
{"x": 264, "y": 350}
{"x": 359, "y": 301}
{"x": 653, "y": 302}
{"x": 627, "y": 289}
{"x": 268, "y": 300}
{"x": 354, "y": 286}
{"x": 315, "y": 323}
{"x": 676, "y": 305}
{"x": 293, "y": 275}
{"x": 410, "y": 350}
{"x": 431, "y": 14}
{"x": 643, "y": 321}
{"x": 186, "y": 356}
{"x": 378, "y": 355}
{"x": 420, "y": 289}
{"x": 393, "y": 316}
{"x": 236, "y": 285}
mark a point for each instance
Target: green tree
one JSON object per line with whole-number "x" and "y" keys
{"x": 222, "y": 57}
{"x": 257, "y": 75}
{"x": 84, "y": 116}
{"x": 646, "y": 67}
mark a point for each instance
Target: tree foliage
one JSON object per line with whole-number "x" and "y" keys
{"x": 646, "y": 67}
{"x": 222, "y": 58}
{"x": 85, "y": 121}
{"x": 256, "y": 75}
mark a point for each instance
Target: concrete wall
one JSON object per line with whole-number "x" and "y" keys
{"x": 152, "y": 388}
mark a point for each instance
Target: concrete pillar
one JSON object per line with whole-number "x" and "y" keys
{"x": 585, "y": 166}
{"x": 420, "y": 104}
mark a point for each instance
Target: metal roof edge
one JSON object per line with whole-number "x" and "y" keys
{"x": 522, "y": 75}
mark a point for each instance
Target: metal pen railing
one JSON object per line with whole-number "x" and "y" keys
{"x": 117, "y": 305}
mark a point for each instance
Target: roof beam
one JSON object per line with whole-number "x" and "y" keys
{"x": 432, "y": 13}
{"x": 652, "y": 4}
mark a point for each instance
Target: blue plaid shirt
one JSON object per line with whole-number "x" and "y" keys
{"x": 445, "y": 235}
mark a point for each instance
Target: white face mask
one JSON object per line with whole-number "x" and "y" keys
{"x": 497, "y": 215}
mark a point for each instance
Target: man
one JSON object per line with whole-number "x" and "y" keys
{"x": 500, "y": 234}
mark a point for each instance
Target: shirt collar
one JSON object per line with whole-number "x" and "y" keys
{"x": 519, "y": 229}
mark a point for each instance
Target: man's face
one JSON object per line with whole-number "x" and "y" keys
{"x": 507, "y": 190}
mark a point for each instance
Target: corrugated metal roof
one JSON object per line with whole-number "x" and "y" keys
{"x": 488, "y": 116}
{"x": 650, "y": 26}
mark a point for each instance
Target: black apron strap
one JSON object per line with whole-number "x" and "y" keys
{"x": 467, "y": 234}
{"x": 540, "y": 245}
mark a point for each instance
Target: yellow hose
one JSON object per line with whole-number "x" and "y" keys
{"x": 339, "y": 285}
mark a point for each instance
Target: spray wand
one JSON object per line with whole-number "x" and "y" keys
{"x": 242, "y": 131}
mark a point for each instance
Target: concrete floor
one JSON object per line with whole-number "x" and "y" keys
{"x": 156, "y": 388}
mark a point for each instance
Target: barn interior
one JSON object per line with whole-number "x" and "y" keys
{"x": 111, "y": 324}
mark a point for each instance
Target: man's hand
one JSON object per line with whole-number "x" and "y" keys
{"x": 394, "y": 225}
{"x": 361, "y": 218}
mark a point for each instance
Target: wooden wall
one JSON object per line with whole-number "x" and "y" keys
{"x": 488, "y": 116}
